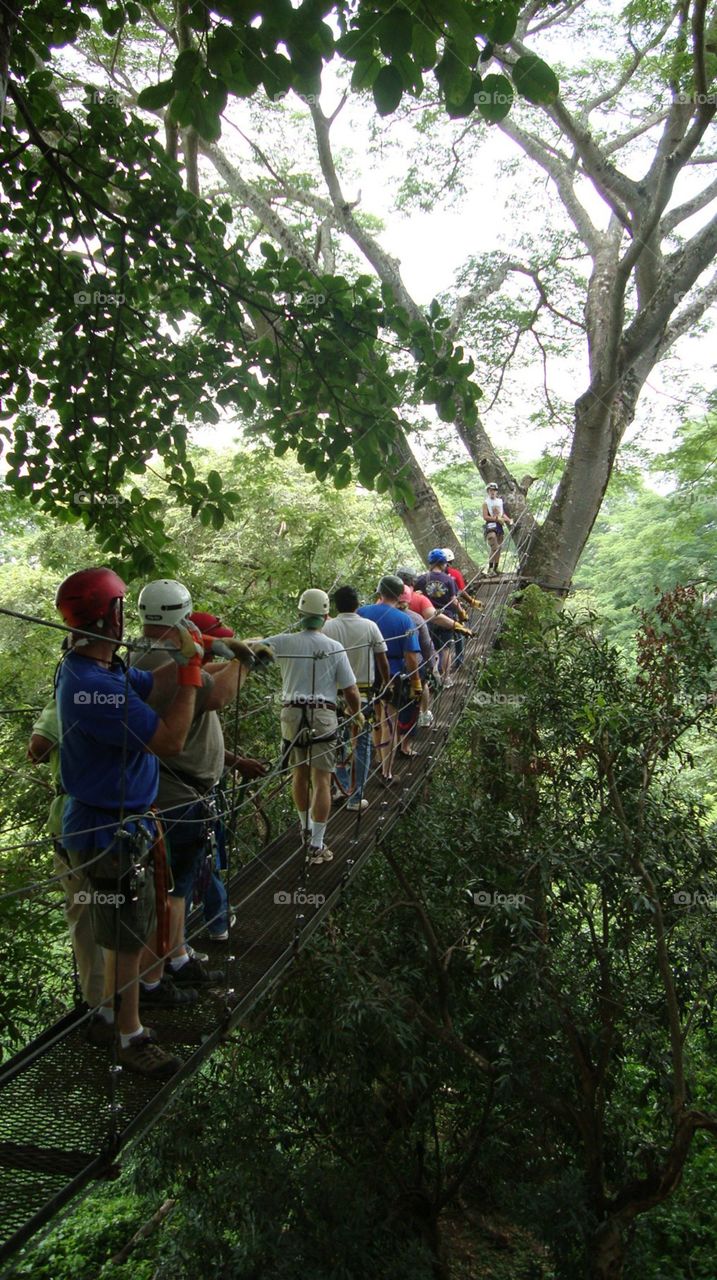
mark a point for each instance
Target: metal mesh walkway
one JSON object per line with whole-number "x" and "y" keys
{"x": 58, "y": 1129}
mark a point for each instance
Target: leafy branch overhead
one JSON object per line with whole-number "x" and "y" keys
{"x": 391, "y": 46}
{"x": 142, "y": 294}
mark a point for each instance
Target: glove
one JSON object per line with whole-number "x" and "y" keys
{"x": 189, "y": 656}
{"x": 242, "y": 652}
{"x": 263, "y": 653}
{"x": 416, "y": 691}
{"x": 464, "y": 631}
{"x": 475, "y": 604}
{"x": 359, "y": 722}
{"x": 214, "y": 648}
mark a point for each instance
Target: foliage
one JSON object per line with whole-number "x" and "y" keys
{"x": 490, "y": 1013}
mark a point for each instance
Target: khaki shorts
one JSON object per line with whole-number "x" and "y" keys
{"x": 322, "y": 724}
{"x": 122, "y": 914}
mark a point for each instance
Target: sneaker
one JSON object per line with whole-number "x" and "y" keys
{"x": 196, "y": 955}
{"x": 425, "y": 720}
{"x": 357, "y": 807}
{"x": 319, "y": 855}
{"x": 167, "y": 995}
{"x": 449, "y": 684}
{"x": 224, "y": 935}
{"x": 194, "y": 972}
{"x": 144, "y": 1056}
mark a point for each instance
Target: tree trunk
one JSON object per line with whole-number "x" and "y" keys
{"x": 607, "y": 1252}
{"x": 425, "y": 521}
{"x": 9, "y": 13}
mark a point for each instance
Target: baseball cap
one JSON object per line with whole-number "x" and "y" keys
{"x": 210, "y": 625}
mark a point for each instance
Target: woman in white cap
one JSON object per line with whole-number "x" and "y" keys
{"x": 495, "y": 518}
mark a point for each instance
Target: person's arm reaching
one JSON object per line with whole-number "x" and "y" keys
{"x": 170, "y": 735}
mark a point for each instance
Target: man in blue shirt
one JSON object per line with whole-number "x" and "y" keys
{"x": 404, "y": 655}
{"x": 110, "y": 739}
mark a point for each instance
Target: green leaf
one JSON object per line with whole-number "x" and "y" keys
{"x": 365, "y": 73}
{"x": 395, "y": 32}
{"x": 387, "y": 90}
{"x": 535, "y": 80}
{"x": 494, "y": 98}
{"x": 156, "y": 96}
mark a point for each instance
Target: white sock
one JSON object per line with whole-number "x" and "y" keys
{"x": 150, "y": 986}
{"x": 178, "y": 962}
{"x": 317, "y": 834}
{"x": 304, "y": 819}
{"x": 124, "y": 1040}
{"x": 106, "y": 1014}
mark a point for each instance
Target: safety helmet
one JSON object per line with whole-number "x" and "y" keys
{"x": 210, "y": 625}
{"x": 86, "y": 598}
{"x": 391, "y": 586}
{"x": 437, "y": 556}
{"x": 164, "y": 601}
{"x": 404, "y": 572}
{"x": 490, "y": 486}
{"x": 449, "y": 554}
{"x": 314, "y": 602}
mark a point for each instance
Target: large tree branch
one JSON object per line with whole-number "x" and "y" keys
{"x": 675, "y": 216}
{"x": 639, "y": 54}
{"x": 562, "y": 177}
{"x": 685, "y": 320}
{"x": 289, "y": 240}
{"x": 679, "y": 274}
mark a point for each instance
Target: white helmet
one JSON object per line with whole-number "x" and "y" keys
{"x": 448, "y": 553}
{"x": 314, "y": 602}
{"x": 164, "y": 601}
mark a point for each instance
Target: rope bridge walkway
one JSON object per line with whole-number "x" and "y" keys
{"x": 66, "y": 1112}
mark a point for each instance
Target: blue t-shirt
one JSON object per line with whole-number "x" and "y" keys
{"x": 397, "y": 630}
{"x": 440, "y": 588}
{"x": 100, "y": 735}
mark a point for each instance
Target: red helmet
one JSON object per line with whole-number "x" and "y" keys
{"x": 86, "y": 598}
{"x": 210, "y": 625}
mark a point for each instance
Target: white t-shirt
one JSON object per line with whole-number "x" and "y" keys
{"x": 361, "y": 639}
{"x": 495, "y": 507}
{"x": 312, "y": 665}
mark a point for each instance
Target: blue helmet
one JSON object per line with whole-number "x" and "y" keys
{"x": 437, "y": 556}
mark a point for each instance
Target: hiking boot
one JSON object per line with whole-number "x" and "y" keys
{"x": 317, "y": 856}
{"x": 356, "y": 806}
{"x": 144, "y": 1056}
{"x": 194, "y": 972}
{"x": 196, "y": 955}
{"x": 167, "y": 995}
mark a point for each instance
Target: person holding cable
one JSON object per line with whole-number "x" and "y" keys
{"x": 366, "y": 651}
{"x": 109, "y": 743}
{"x": 314, "y": 668}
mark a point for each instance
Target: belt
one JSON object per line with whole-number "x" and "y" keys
{"x": 319, "y": 703}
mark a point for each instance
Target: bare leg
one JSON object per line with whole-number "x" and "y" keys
{"x": 125, "y": 966}
{"x": 321, "y": 805}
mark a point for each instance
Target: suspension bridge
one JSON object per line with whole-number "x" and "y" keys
{"x": 67, "y": 1112}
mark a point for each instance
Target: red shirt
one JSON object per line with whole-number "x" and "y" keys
{"x": 421, "y": 604}
{"x": 456, "y": 573}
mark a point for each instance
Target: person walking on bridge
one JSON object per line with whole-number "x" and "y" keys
{"x": 314, "y": 668}
{"x": 402, "y": 698}
{"x": 366, "y": 651}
